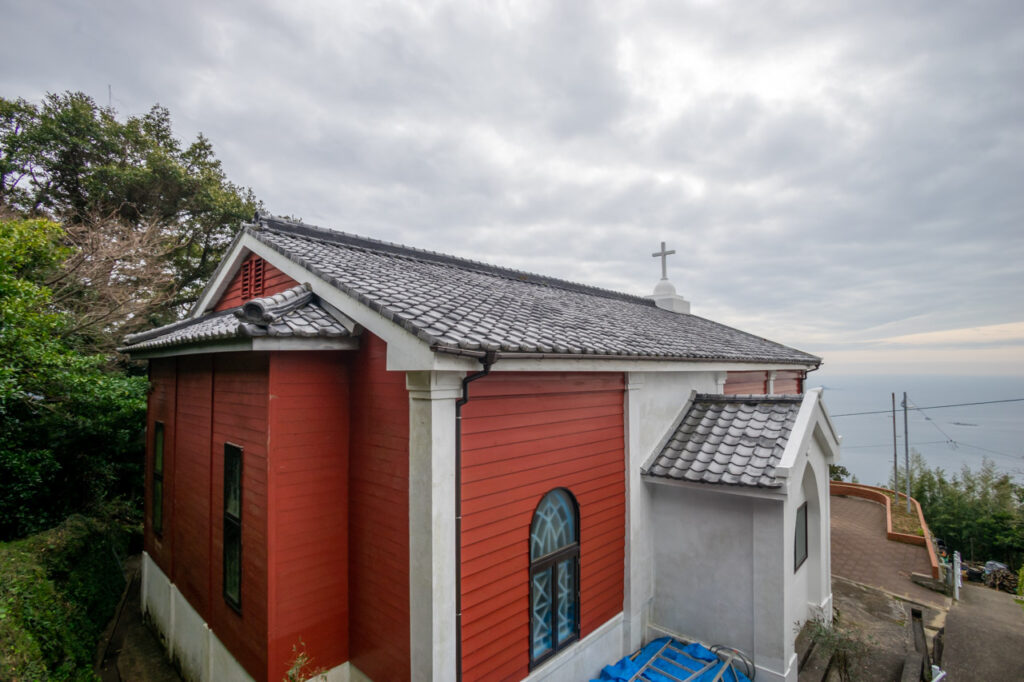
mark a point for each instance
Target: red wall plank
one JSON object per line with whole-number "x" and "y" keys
{"x": 163, "y": 381}
{"x": 742, "y": 383}
{"x": 379, "y": 515}
{"x": 523, "y": 435}
{"x": 789, "y": 381}
{"x": 274, "y": 280}
{"x": 239, "y": 416}
{"x": 308, "y": 509}
{"x": 191, "y": 523}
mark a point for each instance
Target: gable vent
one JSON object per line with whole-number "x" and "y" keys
{"x": 252, "y": 279}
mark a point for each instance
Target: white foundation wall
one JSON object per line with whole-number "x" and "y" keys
{"x": 190, "y": 642}
{"x": 585, "y": 659}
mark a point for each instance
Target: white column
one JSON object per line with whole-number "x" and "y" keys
{"x": 432, "y": 397}
{"x": 639, "y": 583}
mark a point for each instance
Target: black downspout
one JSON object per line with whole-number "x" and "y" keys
{"x": 488, "y": 360}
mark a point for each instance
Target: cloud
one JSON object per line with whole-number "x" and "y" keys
{"x": 829, "y": 175}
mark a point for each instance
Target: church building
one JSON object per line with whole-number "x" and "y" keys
{"x": 412, "y": 466}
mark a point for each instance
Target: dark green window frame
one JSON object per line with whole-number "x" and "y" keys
{"x": 233, "y": 526}
{"x": 156, "y": 512}
{"x": 800, "y": 538}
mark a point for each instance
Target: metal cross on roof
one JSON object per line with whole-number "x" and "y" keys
{"x": 663, "y": 254}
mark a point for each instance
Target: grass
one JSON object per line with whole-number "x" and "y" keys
{"x": 58, "y": 589}
{"x": 902, "y": 522}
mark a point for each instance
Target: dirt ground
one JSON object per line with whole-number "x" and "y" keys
{"x": 130, "y": 651}
{"x": 883, "y": 620}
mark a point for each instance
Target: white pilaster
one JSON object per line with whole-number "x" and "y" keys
{"x": 432, "y": 587}
{"x": 639, "y": 579}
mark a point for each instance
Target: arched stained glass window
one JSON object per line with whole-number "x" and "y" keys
{"x": 554, "y": 575}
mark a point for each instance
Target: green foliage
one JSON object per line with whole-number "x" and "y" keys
{"x": 74, "y": 161}
{"x": 837, "y": 472}
{"x": 69, "y": 431}
{"x": 297, "y": 671}
{"x": 981, "y": 508}
{"x": 58, "y": 589}
{"x": 845, "y": 644}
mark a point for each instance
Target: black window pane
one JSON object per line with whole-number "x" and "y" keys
{"x": 158, "y": 448}
{"x": 233, "y": 481}
{"x": 566, "y": 599}
{"x": 232, "y": 563}
{"x": 800, "y": 542}
{"x": 540, "y": 614}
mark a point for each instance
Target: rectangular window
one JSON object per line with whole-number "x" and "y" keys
{"x": 157, "y": 510}
{"x": 800, "y": 541}
{"x": 233, "y": 525}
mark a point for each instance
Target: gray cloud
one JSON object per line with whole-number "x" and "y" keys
{"x": 829, "y": 174}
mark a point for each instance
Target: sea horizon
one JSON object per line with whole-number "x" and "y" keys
{"x": 947, "y": 437}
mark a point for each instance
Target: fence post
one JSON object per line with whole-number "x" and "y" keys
{"x": 957, "y": 583}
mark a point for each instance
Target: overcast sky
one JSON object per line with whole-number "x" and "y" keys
{"x": 844, "y": 178}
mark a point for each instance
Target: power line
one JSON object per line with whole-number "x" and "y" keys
{"x": 931, "y": 407}
{"x": 931, "y": 421}
{"x": 879, "y": 445}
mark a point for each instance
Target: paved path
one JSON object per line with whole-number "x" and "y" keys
{"x": 860, "y": 552}
{"x": 984, "y": 636}
{"x": 133, "y": 653}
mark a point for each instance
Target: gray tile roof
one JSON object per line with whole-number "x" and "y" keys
{"x": 733, "y": 440}
{"x": 459, "y": 305}
{"x": 295, "y": 312}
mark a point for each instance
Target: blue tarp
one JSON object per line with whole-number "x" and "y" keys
{"x": 682, "y": 665}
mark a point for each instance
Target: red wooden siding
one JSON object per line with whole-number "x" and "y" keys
{"x": 523, "y": 435}
{"x": 308, "y": 509}
{"x": 789, "y": 381}
{"x": 191, "y": 524}
{"x": 379, "y": 516}
{"x": 742, "y": 383}
{"x": 240, "y": 417}
{"x": 163, "y": 380}
{"x": 274, "y": 282}
{"x": 756, "y": 383}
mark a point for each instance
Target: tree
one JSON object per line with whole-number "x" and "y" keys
{"x": 69, "y": 432}
{"x": 73, "y": 161}
{"x": 978, "y": 509}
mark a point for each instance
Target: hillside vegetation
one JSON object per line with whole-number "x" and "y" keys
{"x": 58, "y": 589}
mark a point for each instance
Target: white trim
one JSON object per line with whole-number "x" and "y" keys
{"x": 216, "y": 287}
{"x": 303, "y": 343}
{"x": 257, "y": 343}
{"x": 807, "y": 425}
{"x": 584, "y": 364}
{"x": 777, "y": 494}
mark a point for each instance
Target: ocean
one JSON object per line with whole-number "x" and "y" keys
{"x": 948, "y": 437}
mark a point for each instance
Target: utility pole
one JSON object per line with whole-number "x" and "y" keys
{"x": 895, "y": 455}
{"x": 906, "y": 447}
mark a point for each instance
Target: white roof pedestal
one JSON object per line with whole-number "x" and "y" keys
{"x": 665, "y": 296}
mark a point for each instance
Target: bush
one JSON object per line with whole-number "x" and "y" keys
{"x": 58, "y": 590}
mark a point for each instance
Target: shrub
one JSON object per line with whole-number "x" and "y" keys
{"x": 58, "y": 589}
